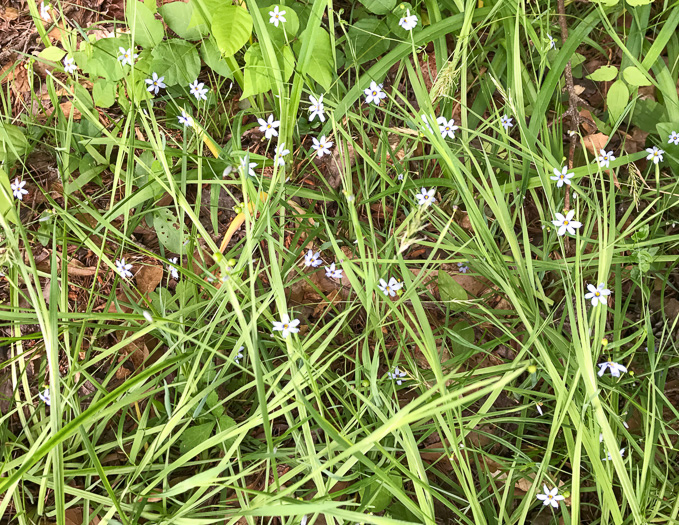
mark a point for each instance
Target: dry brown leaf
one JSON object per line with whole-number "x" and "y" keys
{"x": 148, "y": 278}
{"x": 588, "y": 122}
{"x": 595, "y": 142}
{"x": 74, "y": 516}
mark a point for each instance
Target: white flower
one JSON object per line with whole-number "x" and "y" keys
{"x": 550, "y": 497}
{"x": 312, "y": 259}
{"x": 562, "y": 176}
{"x": 268, "y": 127}
{"x": 45, "y": 397}
{"x": 280, "y": 153}
{"x": 276, "y": 16}
{"x": 539, "y": 407}
{"x": 426, "y": 197}
{"x": 374, "y": 93}
{"x": 197, "y": 90}
{"x": 389, "y": 288}
{"x": 185, "y": 119}
{"x": 286, "y": 326}
{"x": 615, "y": 368}
{"x": 654, "y": 154}
{"x": 597, "y": 294}
{"x": 674, "y": 138}
{"x": 332, "y": 273}
{"x": 506, "y": 122}
{"x": 240, "y": 354}
{"x": 124, "y": 269}
{"x": 401, "y": 176}
{"x": 246, "y": 166}
{"x": 408, "y": 22}
{"x": 45, "y": 15}
{"x": 69, "y": 65}
{"x": 566, "y": 224}
{"x": 322, "y": 146}
{"x": 447, "y": 127}
{"x": 173, "y": 269}
{"x": 316, "y": 108}
{"x": 396, "y": 375}
{"x": 155, "y": 83}
{"x": 462, "y": 268}
{"x": 126, "y": 56}
{"x": 605, "y": 158}
{"x": 425, "y": 119}
{"x": 552, "y": 43}
{"x": 610, "y": 458}
{"x": 147, "y": 315}
{"x": 18, "y": 189}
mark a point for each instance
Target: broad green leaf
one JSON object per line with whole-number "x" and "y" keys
{"x": 177, "y": 16}
{"x": 213, "y": 58}
{"x": 379, "y": 7}
{"x": 321, "y": 67}
{"x": 449, "y": 288}
{"x": 177, "y": 60}
{"x": 604, "y": 74}
{"x": 647, "y": 113}
{"x": 466, "y": 332}
{"x": 194, "y": 436}
{"x": 5, "y": 202}
{"x": 634, "y": 76}
{"x": 147, "y": 31}
{"x": 617, "y": 98}
{"x": 103, "y": 61}
{"x": 231, "y": 27}
{"x": 377, "y": 495}
{"x": 104, "y": 93}
{"x": 13, "y": 143}
{"x": 637, "y": 3}
{"x": 257, "y": 77}
{"x": 366, "y": 39}
{"x": 209, "y": 7}
{"x": 52, "y": 53}
{"x": 170, "y": 232}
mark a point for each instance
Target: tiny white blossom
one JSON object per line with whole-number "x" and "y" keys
{"x": 280, "y": 153}
{"x": 566, "y": 224}
{"x": 248, "y": 167}
{"x": 45, "y": 397}
{"x": 610, "y": 458}
{"x": 605, "y": 158}
{"x": 69, "y": 65}
{"x": 333, "y": 273}
{"x": 276, "y": 16}
{"x": 147, "y": 315}
{"x": 286, "y": 326}
{"x": 552, "y": 42}
{"x": 317, "y": 108}
{"x": 268, "y": 127}
{"x": 240, "y": 354}
{"x": 654, "y": 154}
{"x": 185, "y": 119}
{"x": 389, "y": 288}
{"x": 374, "y": 93}
{"x": 312, "y": 259}
{"x": 426, "y": 197}
{"x": 598, "y": 295}
{"x": 124, "y": 269}
{"x": 401, "y": 176}
{"x": 45, "y": 13}
{"x": 562, "y": 177}
{"x": 173, "y": 269}
{"x": 614, "y": 368}
{"x": 126, "y": 56}
{"x": 674, "y": 138}
{"x": 506, "y": 122}
{"x": 550, "y": 497}
{"x": 322, "y": 146}
{"x": 155, "y": 83}
{"x": 397, "y": 375}
{"x": 425, "y": 119}
{"x": 197, "y": 90}
{"x": 447, "y": 127}
{"x": 539, "y": 407}
{"x": 408, "y": 22}
{"x": 18, "y": 189}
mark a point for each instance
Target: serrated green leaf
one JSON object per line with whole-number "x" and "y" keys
{"x": 634, "y": 76}
{"x": 177, "y": 60}
{"x": 147, "y": 31}
{"x": 617, "y": 98}
{"x": 231, "y": 27}
{"x": 604, "y": 74}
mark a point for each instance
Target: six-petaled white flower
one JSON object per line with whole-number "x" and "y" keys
{"x": 173, "y": 269}
{"x": 550, "y": 497}
{"x": 674, "y": 138}
{"x": 45, "y": 13}
{"x": 374, "y": 93}
{"x": 322, "y": 146}
{"x": 276, "y": 16}
{"x": 566, "y": 224}
{"x": 286, "y": 326}
{"x": 247, "y": 167}
{"x": 408, "y": 22}
{"x": 598, "y": 295}
{"x": 197, "y": 90}
{"x": 605, "y": 158}
{"x": 312, "y": 259}
{"x": 18, "y": 189}
{"x": 268, "y": 127}
{"x": 126, "y": 56}
{"x": 280, "y": 153}
{"x": 155, "y": 83}
{"x": 654, "y": 154}
{"x": 506, "y": 122}
{"x": 123, "y": 269}
{"x": 185, "y": 119}
{"x": 240, "y": 354}
{"x": 333, "y": 273}
{"x": 426, "y": 197}
{"x": 317, "y": 108}
{"x": 552, "y": 42}
{"x": 69, "y": 65}
{"x": 614, "y": 368}
{"x": 610, "y": 458}
{"x": 397, "y": 375}
{"x": 447, "y": 127}
{"x": 562, "y": 177}
{"x": 45, "y": 397}
{"x": 389, "y": 288}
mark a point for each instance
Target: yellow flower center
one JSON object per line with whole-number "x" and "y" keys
{"x": 426, "y": 197}
{"x": 285, "y": 327}
{"x": 565, "y": 223}
{"x": 550, "y": 496}
{"x": 597, "y": 294}
{"x": 561, "y": 176}
{"x": 374, "y": 93}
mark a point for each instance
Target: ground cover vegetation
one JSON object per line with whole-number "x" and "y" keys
{"x": 339, "y": 262}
